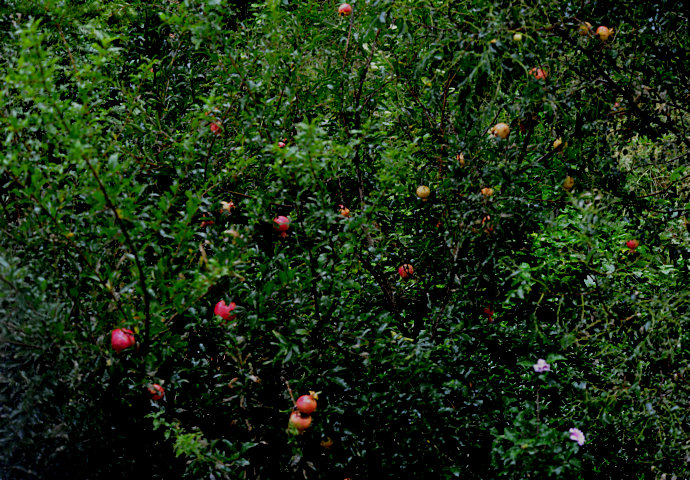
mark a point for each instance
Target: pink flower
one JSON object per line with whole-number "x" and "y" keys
{"x": 223, "y": 310}
{"x": 541, "y": 366}
{"x": 576, "y": 435}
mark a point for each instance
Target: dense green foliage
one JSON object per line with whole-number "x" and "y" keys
{"x": 126, "y": 124}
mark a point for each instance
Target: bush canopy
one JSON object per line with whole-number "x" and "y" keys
{"x": 462, "y": 224}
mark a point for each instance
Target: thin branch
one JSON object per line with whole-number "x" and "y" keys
{"x": 130, "y": 245}
{"x": 363, "y": 77}
{"x": 347, "y": 43}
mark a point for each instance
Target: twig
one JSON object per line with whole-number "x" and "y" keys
{"x": 19, "y": 344}
{"x": 130, "y": 245}
{"x": 347, "y": 43}
{"x": 287, "y": 385}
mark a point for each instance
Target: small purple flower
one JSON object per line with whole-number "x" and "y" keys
{"x": 541, "y": 366}
{"x": 576, "y": 435}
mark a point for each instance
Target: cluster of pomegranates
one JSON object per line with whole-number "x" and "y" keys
{"x": 300, "y": 417}
{"x": 602, "y": 32}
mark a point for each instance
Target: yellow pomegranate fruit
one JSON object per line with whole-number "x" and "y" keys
{"x": 604, "y": 33}
{"x": 585, "y": 29}
{"x": 568, "y": 183}
{"x": 423, "y": 192}
{"x": 501, "y": 130}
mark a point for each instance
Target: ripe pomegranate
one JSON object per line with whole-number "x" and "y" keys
{"x": 206, "y": 220}
{"x": 604, "y": 33}
{"x": 282, "y": 224}
{"x": 405, "y": 271}
{"x": 326, "y": 442}
{"x": 298, "y": 422}
{"x": 223, "y": 310}
{"x": 344, "y": 211}
{"x": 501, "y": 130}
{"x": 538, "y": 73}
{"x": 215, "y": 128}
{"x": 568, "y": 183}
{"x": 423, "y": 192}
{"x": 632, "y": 244}
{"x": 344, "y": 10}
{"x": 157, "y": 392}
{"x": 306, "y": 404}
{"x": 121, "y": 339}
{"x": 585, "y": 29}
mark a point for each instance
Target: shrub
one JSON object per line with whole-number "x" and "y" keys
{"x": 130, "y": 127}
